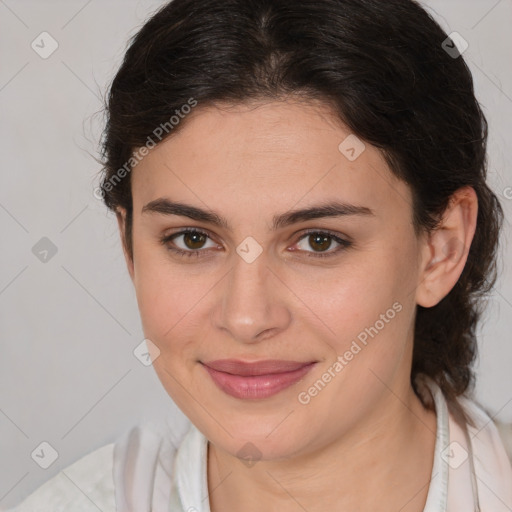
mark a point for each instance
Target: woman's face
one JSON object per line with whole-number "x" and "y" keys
{"x": 335, "y": 290}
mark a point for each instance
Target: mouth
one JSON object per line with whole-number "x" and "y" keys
{"x": 256, "y": 380}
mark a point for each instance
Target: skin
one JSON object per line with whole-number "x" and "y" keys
{"x": 365, "y": 442}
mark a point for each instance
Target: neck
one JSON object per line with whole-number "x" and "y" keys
{"x": 383, "y": 463}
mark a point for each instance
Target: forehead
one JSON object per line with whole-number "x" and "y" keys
{"x": 263, "y": 155}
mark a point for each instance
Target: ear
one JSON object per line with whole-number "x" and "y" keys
{"x": 445, "y": 250}
{"x": 121, "y": 222}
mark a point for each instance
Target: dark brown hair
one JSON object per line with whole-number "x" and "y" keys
{"x": 382, "y": 67}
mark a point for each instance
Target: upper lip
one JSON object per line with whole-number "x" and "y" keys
{"x": 265, "y": 367}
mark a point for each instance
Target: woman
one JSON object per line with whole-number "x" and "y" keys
{"x": 301, "y": 197}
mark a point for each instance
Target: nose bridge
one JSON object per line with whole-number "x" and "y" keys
{"x": 251, "y": 302}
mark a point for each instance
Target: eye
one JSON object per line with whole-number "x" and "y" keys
{"x": 191, "y": 243}
{"x": 321, "y": 242}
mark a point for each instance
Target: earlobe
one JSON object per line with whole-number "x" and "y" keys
{"x": 446, "y": 248}
{"x": 121, "y": 222}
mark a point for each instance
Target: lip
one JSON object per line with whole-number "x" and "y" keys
{"x": 254, "y": 380}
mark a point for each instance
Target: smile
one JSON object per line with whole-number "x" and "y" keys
{"x": 256, "y": 380}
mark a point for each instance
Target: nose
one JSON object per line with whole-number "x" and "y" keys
{"x": 253, "y": 305}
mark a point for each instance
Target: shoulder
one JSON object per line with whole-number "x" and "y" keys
{"x": 505, "y": 431}
{"x": 491, "y": 459}
{"x": 104, "y": 478}
{"x": 488, "y": 435}
{"x": 85, "y": 485}
{"x": 144, "y": 463}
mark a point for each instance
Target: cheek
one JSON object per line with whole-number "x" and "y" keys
{"x": 167, "y": 297}
{"x": 364, "y": 337}
{"x": 170, "y": 307}
{"x": 364, "y": 309}
{"x": 346, "y": 299}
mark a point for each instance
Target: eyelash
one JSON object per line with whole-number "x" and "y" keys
{"x": 344, "y": 244}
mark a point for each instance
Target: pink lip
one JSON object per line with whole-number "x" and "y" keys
{"x": 256, "y": 380}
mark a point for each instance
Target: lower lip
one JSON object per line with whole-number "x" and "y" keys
{"x": 260, "y": 386}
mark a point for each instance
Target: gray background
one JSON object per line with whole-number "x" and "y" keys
{"x": 68, "y": 327}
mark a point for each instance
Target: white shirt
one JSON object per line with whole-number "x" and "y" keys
{"x": 162, "y": 467}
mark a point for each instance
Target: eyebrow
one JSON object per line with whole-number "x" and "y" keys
{"x": 164, "y": 206}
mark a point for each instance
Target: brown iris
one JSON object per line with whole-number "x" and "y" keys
{"x": 194, "y": 240}
{"x": 319, "y": 242}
